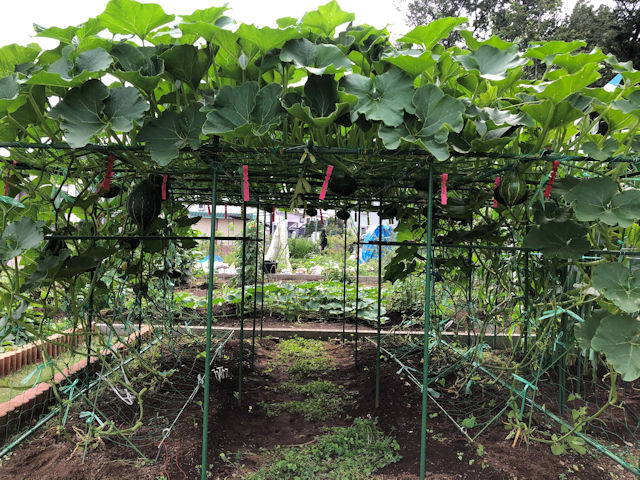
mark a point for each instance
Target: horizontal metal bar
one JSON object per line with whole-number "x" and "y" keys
{"x": 134, "y": 237}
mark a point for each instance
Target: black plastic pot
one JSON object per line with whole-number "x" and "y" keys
{"x": 270, "y": 267}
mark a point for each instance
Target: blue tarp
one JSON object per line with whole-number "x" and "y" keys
{"x": 215, "y": 259}
{"x": 370, "y": 252}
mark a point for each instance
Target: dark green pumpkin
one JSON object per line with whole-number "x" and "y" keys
{"x": 343, "y": 215}
{"x": 512, "y": 189}
{"x": 311, "y": 212}
{"x": 342, "y": 184}
{"x": 144, "y": 204}
{"x": 114, "y": 191}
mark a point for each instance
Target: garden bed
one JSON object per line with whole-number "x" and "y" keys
{"x": 278, "y": 422}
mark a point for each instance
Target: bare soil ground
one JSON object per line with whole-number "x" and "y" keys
{"x": 241, "y": 432}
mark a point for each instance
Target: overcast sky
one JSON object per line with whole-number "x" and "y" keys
{"x": 19, "y": 15}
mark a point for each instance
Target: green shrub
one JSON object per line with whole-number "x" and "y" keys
{"x": 302, "y": 247}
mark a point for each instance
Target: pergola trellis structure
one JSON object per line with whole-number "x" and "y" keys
{"x": 213, "y": 174}
{"x": 196, "y": 100}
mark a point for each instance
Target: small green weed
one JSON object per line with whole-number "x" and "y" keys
{"x": 354, "y": 453}
{"x": 306, "y": 357}
{"x": 324, "y": 399}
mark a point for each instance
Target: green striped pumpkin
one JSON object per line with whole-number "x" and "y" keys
{"x": 512, "y": 189}
{"x": 144, "y": 204}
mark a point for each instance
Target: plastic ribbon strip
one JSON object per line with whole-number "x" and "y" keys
{"x": 443, "y": 188}
{"x": 552, "y": 178}
{"x": 325, "y": 184}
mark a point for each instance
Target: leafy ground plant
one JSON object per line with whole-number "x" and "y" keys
{"x": 354, "y": 452}
{"x": 305, "y": 357}
{"x": 323, "y": 399}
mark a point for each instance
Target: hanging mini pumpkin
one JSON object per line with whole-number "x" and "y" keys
{"x": 311, "y": 212}
{"x": 512, "y": 189}
{"x": 343, "y": 215}
{"x": 144, "y": 204}
{"x": 342, "y": 184}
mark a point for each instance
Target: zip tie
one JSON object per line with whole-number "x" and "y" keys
{"x": 443, "y": 188}
{"x": 6, "y": 182}
{"x": 164, "y": 186}
{"x": 325, "y": 184}
{"x": 496, "y": 184}
{"x": 245, "y": 182}
{"x": 552, "y": 177}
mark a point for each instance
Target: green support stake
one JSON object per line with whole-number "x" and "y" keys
{"x": 207, "y": 361}
{"x": 378, "y": 336}
{"x": 427, "y": 313}
{"x": 255, "y": 286}
{"x": 357, "y": 284}
{"x": 344, "y": 283}
{"x": 525, "y": 329}
{"x": 264, "y": 249}
{"x": 242, "y": 292}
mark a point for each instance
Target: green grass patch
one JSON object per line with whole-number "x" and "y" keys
{"x": 324, "y": 399}
{"x": 345, "y": 453}
{"x": 306, "y": 357}
{"x": 13, "y": 385}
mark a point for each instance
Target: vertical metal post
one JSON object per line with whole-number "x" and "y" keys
{"x": 378, "y": 336}
{"x": 242, "y": 291}
{"x": 525, "y": 328}
{"x": 264, "y": 249}
{"x": 427, "y": 313}
{"x": 469, "y": 286}
{"x": 344, "y": 283}
{"x": 207, "y": 358}
{"x": 562, "y": 373}
{"x": 255, "y": 286}
{"x": 140, "y": 295}
{"x": 357, "y": 283}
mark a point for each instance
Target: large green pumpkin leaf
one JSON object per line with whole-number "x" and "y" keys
{"x": 558, "y": 240}
{"x": 19, "y": 237}
{"x": 172, "y": 131}
{"x": 266, "y": 38}
{"x": 439, "y": 113}
{"x": 618, "y": 337}
{"x": 321, "y": 104}
{"x": 544, "y": 113}
{"x": 384, "y": 99}
{"x": 618, "y": 284}
{"x": 598, "y": 199}
{"x": 186, "y": 63}
{"x": 546, "y": 51}
{"x": 132, "y": 18}
{"x": 585, "y": 332}
{"x": 317, "y": 59}
{"x": 95, "y": 60}
{"x": 80, "y": 112}
{"x": 14, "y": 54}
{"x": 137, "y": 65}
{"x": 492, "y": 63}
{"x": 567, "y": 85}
{"x": 268, "y": 110}
{"x": 9, "y": 87}
{"x": 414, "y": 62}
{"x": 326, "y": 18}
{"x": 231, "y": 110}
{"x": 206, "y": 15}
{"x": 124, "y": 107}
{"x": 429, "y": 35}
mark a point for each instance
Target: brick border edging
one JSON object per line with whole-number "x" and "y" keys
{"x": 25, "y": 408}
{"x": 31, "y": 353}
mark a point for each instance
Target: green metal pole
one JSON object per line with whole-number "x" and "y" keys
{"x": 242, "y": 290}
{"x": 255, "y": 286}
{"x": 357, "y": 282}
{"x": 207, "y": 361}
{"x": 427, "y": 312}
{"x": 344, "y": 283}
{"x": 264, "y": 249}
{"x": 378, "y": 336}
{"x": 525, "y": 329}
